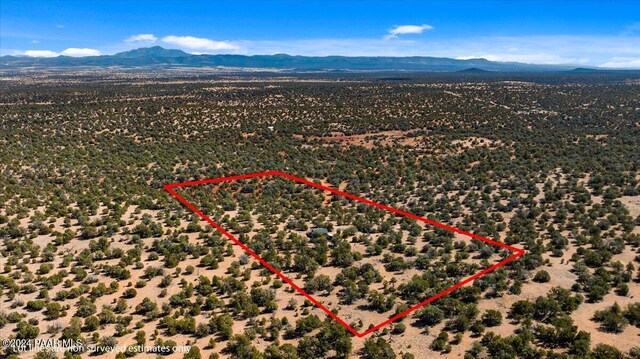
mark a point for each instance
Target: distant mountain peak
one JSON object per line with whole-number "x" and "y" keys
{"x": 474, "y": 70}
{"x": 155, "y": 51}
{"x": 585, "y": 70}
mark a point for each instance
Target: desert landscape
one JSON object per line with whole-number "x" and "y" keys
{"x": 95, "y": 251}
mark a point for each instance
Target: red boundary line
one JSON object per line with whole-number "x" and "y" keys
{"x": 518, "y": 252}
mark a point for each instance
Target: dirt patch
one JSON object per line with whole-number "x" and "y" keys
{"x": 369, "y": 140}
{"x": 474, "y": 142}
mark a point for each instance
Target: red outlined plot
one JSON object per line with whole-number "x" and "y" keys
{"x": 517, "y": 252}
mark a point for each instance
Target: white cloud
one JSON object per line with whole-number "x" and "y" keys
{"x": 142, "y": 38}
{"x": 76, "y": 52}
{"x": 72, "y": 51}
{"x": 407, "y": 29}
{"x": 39, "y": 53}
{"x": 623, "y": 63}
{"x": 199, "y": 43}
{"x": 550, "y": 49}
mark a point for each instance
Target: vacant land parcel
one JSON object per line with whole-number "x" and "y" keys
{"x": 363, "y": 263}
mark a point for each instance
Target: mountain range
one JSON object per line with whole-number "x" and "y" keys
{"x": 159, "y": 57}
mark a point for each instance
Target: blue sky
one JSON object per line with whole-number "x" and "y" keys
{"x": 571, "y": 32}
